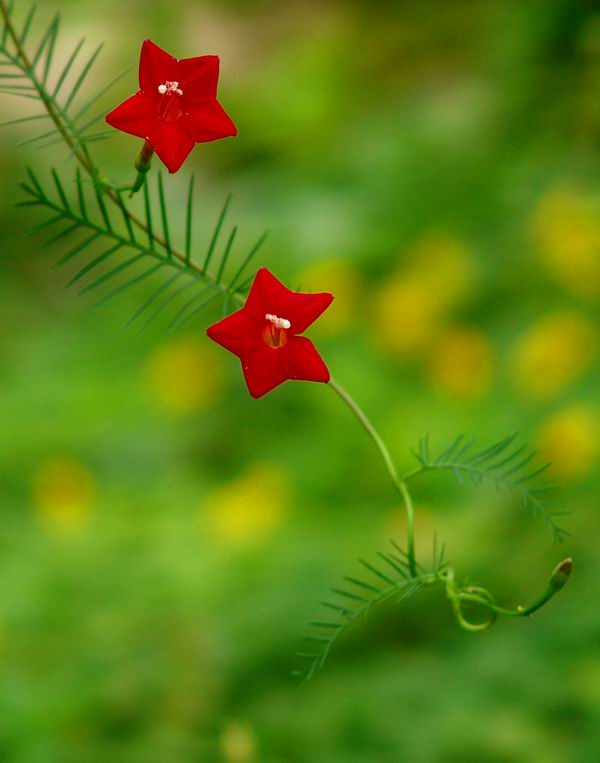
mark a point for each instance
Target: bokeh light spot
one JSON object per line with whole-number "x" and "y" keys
{"x": 63, "y": 492}
{"x": 569, "y": 440}
{"x": 250, "y": 508}
{"x": 461, "y": 363}
{"x": 238, "y": 742}
{"x": 413, "y": 305}
{"x": 555, "y": 351}
{"x": 184, "y": 375}
{"x": 566, "y": 233}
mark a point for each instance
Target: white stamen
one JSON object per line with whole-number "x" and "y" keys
{"x": 280, "y": 323}
{"x": 170, "y": 87}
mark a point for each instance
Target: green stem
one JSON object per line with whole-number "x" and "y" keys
{"x": 559, "y": 577}
{"x": 455, "y": 597}
{"x": 519, "y": 612}
{"x": 398, "y": 484}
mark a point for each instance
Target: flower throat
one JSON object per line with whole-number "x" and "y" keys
{"x": 275, "y": 332}
{"x": 170, "y": 106}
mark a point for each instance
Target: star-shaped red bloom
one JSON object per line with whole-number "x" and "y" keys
{"x": 176, "y": 105}
{"x": 265, "y": 335}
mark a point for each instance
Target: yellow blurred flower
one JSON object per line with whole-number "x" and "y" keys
{"x": 556, "y": 350}
{"x": 446, "y": 265}
{"x": 461, "y": 363}
{"x": 407, "y": 314}
{"x": 566, "y": 232}
{"x": 63, "y": 492}
{"x": 238, "y": 742}
{"x": 185, "y": 374}
{"x": 342, "y": 280}
{"x": 412, "y": 306}
{"x": 569, "y": 440}
{"x": 251, "y": 507}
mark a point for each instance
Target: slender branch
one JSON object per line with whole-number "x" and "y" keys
{"x": 398, "y": 484}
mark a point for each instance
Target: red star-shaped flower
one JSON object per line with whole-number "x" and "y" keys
{"x": 265, "y": 335}
{"x": 176, "y": 105}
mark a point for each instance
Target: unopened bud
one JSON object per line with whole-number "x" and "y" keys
{"x": 561, "y": 574}
{"x": 144, "y": 158}
{"x": 142, "y": 164}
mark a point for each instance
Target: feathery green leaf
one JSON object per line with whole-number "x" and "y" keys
{"x": 94, "y": 263}
{"x": 80, "y": 80}
{"x": 67, "y": 68}
{"x": 396, "y": 587}
{"x": 77, "y": 249}
{"x": 154, "y": 296}
{"x": 215, "y": 236}
{"x": 163, "y": 214}
{"x": 226, "y": 254}
{"x": 27, "y": 24}
{"x": 500, "y": 462}
{"x": 46, "y": 40}
{"x": 89, "y": 103}
{"x": 247, "y": 259}
{"x": 112, "y": 273}
{"x": 189, "y": 220}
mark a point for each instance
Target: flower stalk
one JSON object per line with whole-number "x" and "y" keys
{"x": 457, "y": 596}
{"x": 143, "y": 162}
{"x": 398, "y": 484}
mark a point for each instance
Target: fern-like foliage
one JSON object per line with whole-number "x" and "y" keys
{"x": 118, "y": 250}
{"x": 387, "y": 579}
{"x": 504, "y": 464}
{"x": 28, "y": 70}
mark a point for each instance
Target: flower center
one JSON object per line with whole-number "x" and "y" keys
{"x": 170, "y": 87}
{"x": 280, "y": 323}
{"x": 275, "y": 331}
{"x": 170, "y": 109}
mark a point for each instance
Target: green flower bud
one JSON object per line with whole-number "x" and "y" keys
{"x": 144, "y": 158}
{"x": 560, "y": 575}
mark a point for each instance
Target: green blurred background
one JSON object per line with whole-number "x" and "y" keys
{"x": 165, "y": 539}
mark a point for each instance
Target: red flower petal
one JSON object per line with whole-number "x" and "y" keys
{"x": 156, "y": 67}
{"x": 172, "y": 143}
{"x": 302, "y": 361}
{"x": 239, "y": 333}
{"x": 207, "y": 120}
{"x": 136, "y": 116}
{"x": 306, "y": 308}
{"x": 198, "y": 76}
{"x": 263, "y": 370}
{"x": 269, "y": 295}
